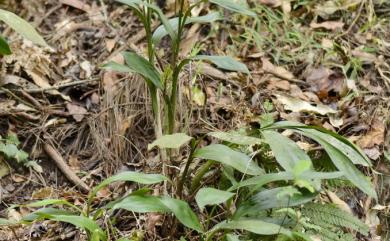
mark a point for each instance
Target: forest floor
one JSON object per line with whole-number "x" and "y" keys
{"x": 335, "y": 56}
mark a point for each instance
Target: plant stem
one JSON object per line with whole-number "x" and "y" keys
{"x": 199, "y": 175}
{"x": 180, "y": 185}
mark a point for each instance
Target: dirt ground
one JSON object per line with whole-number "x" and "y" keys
{"x": 100, "y": 122}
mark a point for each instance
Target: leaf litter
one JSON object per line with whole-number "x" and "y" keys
{"x": 313, "y": 61}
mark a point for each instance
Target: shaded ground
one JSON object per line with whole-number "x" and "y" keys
{"x": 336, "y": 57}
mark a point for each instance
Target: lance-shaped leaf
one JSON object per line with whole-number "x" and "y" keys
{"x": 161, "y": 31}
{"x": 211, "y": 196}
{"x": 287, "y": 152}
{"x": 138, "y": 177}
{"x": 235, "y": 7}
{"x": 251, "y": 225}
{"x": 170, "y": 141}
{"x": 22, "y": 27}
{"x": 236, "y": 138}
{"x": 140, "y": 65}
{"x": 146, "y": 203}
{"x": 230, "y": 157}
{"x": 156, "y": 9}
{"x": 224, "y": 62}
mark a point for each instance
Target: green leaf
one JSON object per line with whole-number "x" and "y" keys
{"x": 82, "y": 223}
{"x": 170, "y": 141}
{"x": 344, "y": 164}
{"x": 141, "y": 204}
{"x": 224, "y": 62}
{"x": 287, "y": 152}
{"x": 236, "y": 138}
{"x": 280, "y": 197}
{"x": 51, "y": 202}
{"x": 4, "y": 47}
{"x": 141, "y": 66}
{"x": 211, "y": 196}
{"x": 261, "y": 180}
{"x": 356, "y": 155}
{"x": 252, "y": 225}
{"x": 167, "y": 25}
{"x": 183, "y": 213}
{"x": 130, "y": 176}
{"x": 6, "y": 222}
{"x": 235, "y": 7}
{"x": 227, "y": 156}
{"x": 342, "y": 153}
{"x": 22, "y": 27}
{"x": 44, "y": 213}
{"x": 231, "y": 237}
{"x": 9, "y": 150}
{"x": 113, "y": 66}
{"x": 161, "y": 31}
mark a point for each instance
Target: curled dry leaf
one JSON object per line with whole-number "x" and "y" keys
{"x": 297, "y": 105}
{"x": 77, "y": 112}
{"x": 329, "y": 25}
{"x": 276, "y": 70}
{"x": 77, "y": 4}
{"x": 325, "y": 82}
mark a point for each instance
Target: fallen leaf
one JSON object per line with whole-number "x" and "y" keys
{"x": 372, "y": 153}
{"x": 329, "y": 25}
{"x": 375, "y": 136}
{"x": 326, "y": 43}
{"x": 271, "y": 3}
{"x": 297, "y": 105}
{"x": 4, "y": 168}
{"x": 338, "y": 202}
{"x": 77, "y": 4}
{"x": 43, "y": 193}
{"x": 276, "y": 70}
{"x": 110, "y": 77}
{"x": 42, "y": 82}
{"x": 126, "y": 124}
{"x": 74, "y": 163}
{"x": 278, "y": 84}
{"x": 110, "y": 44}
{"x": 77, "y": 112}
{"x": 87, "y": 67}
{"x": 209, "y": 70}
{"x": 325, "y": 82}
{"x": 365, "y": 57}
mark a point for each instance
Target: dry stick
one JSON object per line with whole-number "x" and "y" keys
{"x": 61, "y": 164}
{"x": 56, "y": 87}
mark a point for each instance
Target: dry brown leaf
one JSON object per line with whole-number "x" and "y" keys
{"x": 278, "y": 84}
{"x": 326, "y": 43}
{"x": 209, "y": 70}
{"x": 110, "y": 44}
{"x": 42, "y": 82}
{"x": 376, "y": 136}
{"x": 43, "y": 193}
{"x": 329, "y": 25}
{"x": 271, "y": 3}
{"x": 338, "y": 202}
{"x": 110, "y": 77}
{"x": 276, "y": 70}
{"x": 77, "y": 4}
{"x": 74, "y": 163}
{"x": 323, "y": 80}
{"x": 77, "y": 112}
{"x": 297, "y": 105}
{"x": 126, "y": 124}
{"x": 365, "y": 57}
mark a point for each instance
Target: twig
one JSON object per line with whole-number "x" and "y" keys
{"x": 61, "y": 164}
{"x": 57, "y": 87}
{"x": 359, "y": 12}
